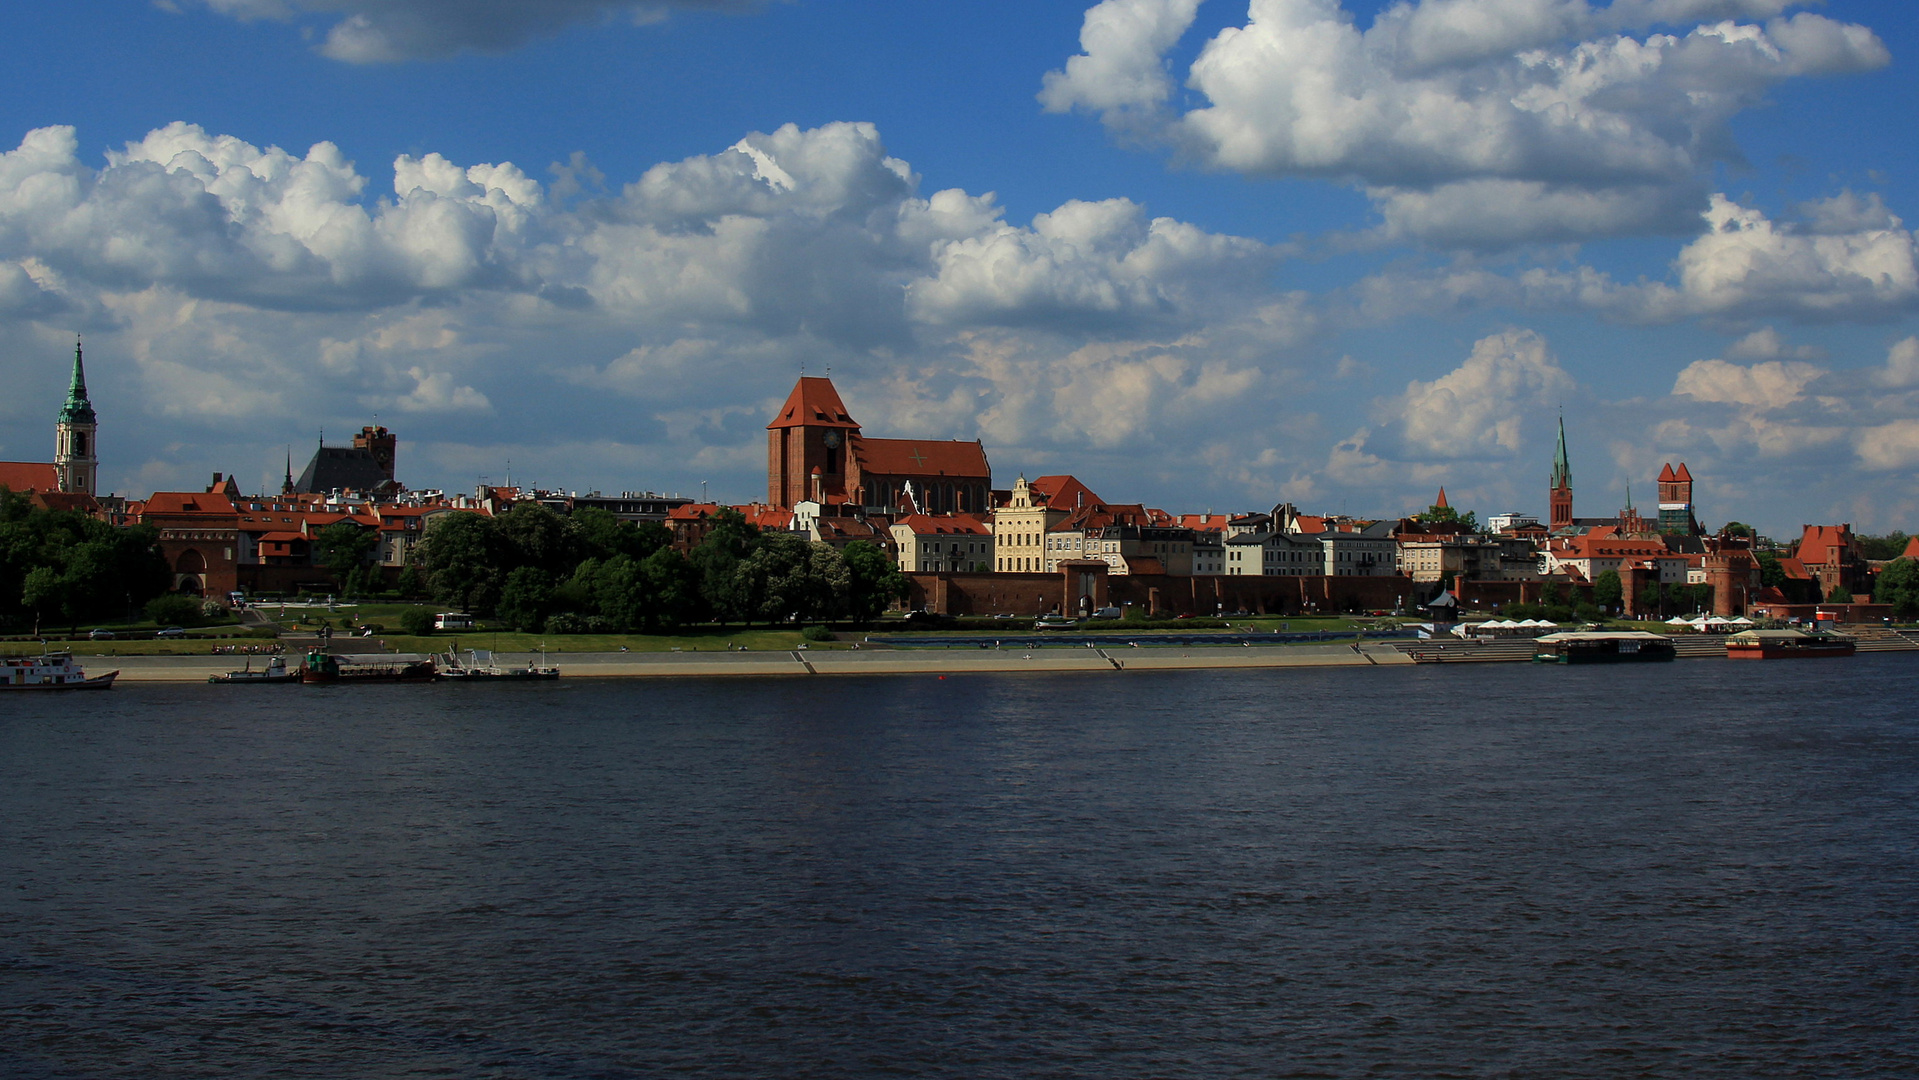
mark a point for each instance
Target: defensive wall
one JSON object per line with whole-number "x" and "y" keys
{"x": 1042, "y": 593}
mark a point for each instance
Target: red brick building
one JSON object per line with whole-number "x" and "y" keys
{"x": 816, "y": 452}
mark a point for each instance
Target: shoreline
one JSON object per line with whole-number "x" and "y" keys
{"x": 177, "y": 669}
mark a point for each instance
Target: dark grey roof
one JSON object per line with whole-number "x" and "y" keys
{"x": 341, "y": 468}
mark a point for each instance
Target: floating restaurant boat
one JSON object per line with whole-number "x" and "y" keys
{"x": 275, "y": 672}
{"x": 480, "y": 667}
{"x": 52, "y": 671}
{"x": 324, "y": 668}
{"x": 1603, "y": 647}
{"x": 1788, "y": 645}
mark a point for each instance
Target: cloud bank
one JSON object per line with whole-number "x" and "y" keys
{"x": 1473, "y": 123}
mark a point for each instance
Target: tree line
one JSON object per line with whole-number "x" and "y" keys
{"x": 59, "y": 566}
{"x": 591, "y": 572}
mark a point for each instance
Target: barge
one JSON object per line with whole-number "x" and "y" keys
{"x": 1603, "y": 647}
{"x": 1788, "y": 645}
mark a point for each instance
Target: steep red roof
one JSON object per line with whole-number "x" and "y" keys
{"x": 75, "y": 501}
{"x": 813, "y": 403}
{"x": 1682, "y": 475}
{"x": 945, "y": 524}
{"x": 1795, "y": 569}
{"x": 1202, "y": 522}
{"x": 1100, "y": 515}
{"x": 1912, "y": 549}
{"x": 921, "y": 457}
{"x": 1824, "y": 545}
{"x": 1666, "y": 474}
{"x": 1441, "y": 501}
{"x": 29, "y": 476}
{"x": 1062, "y": 492}
{"x": 189, "y": 502}
{"x": 1145, "y": 564}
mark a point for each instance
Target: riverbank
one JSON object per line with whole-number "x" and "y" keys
{"x": 842, "y": 662}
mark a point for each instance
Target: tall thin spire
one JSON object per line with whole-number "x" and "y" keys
{"x": 1562, "y": 466}
{"x": 77, "y": 410}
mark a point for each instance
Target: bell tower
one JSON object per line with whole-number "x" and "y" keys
{"x": 1560, "y": 498}
{"x": 76, "y": 458}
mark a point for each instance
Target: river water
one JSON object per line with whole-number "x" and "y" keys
{"x": 1697, "y": 869}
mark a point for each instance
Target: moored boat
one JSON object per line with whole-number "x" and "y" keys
{"x": 1788, "y": 645}
{"x": 322, "y": 668}
{"x": 1603, "y": 647}
{"x": 51, "y": 671}
{"x": 479, "y": 667}
{"x": 275, "y": 672}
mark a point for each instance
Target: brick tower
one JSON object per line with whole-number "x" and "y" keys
{"x": 1561, "y": 497}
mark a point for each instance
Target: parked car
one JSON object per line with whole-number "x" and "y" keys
{"x": 100, "y": 634}
{"x": 172, "y": 632}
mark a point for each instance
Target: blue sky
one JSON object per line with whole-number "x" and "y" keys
{"x": 1205, "y": 255}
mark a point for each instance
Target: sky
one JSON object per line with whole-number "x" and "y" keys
{"x": 1208, "y": 256}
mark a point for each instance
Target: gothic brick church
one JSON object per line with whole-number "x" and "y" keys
{"x": 816, "y": 452}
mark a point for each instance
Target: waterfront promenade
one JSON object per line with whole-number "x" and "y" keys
{"x": 844, "y": 662}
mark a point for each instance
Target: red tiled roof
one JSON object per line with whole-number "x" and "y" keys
{"x": 75, "y": 501}
{"x": 1062, "y": 492}
{"x": 1145, "y": 564}
{"x": 1202, "y": 522}
{"x": 1912, "y": 549}
{"x": 282, "y": 538}
{"x": 1824, "y": 545}
{"x": 693, "y": 511}
{"x": 813, "y": 403}
{"x": 1100, "y": 515}
{"x": 1682, "y": 475}
{"x": 943, "y": 524}
{"x": 1666, "y": 474}
{"x": 189, "y": 502}
{"x": 1795, "y": 569}
{"x": 29, "y": 476}
{"x": 1441, "y": 501}
{"x": 917, "y": 457}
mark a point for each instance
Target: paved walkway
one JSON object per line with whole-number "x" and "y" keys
{"x": 835, "y": 661}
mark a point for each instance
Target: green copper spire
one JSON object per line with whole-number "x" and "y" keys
{"x": 1562, "y": 468}
{"x": 77, "y": 410}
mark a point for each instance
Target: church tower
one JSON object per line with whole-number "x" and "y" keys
{"x": 1561, "y": 498}
{"x": 76, "y": 458}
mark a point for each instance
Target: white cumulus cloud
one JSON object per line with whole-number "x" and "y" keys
{"x": 1580, "y": 127}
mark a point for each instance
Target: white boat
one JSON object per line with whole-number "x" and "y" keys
{"x": 52, "y": 671}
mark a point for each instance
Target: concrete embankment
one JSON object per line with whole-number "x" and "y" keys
{"x": 843, "y": 662}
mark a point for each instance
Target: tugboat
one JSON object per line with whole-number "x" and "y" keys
{"x": 322, "y": 667}
{"x": 1788, "y": 645}
{"x": 481, "y": 668}
{"x": 275, "y": 672}
{"x": 51, "y": 671}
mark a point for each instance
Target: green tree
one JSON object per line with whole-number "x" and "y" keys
{"x": 1771, "y": 574}
{"x": 1608, "y": 591}
{"x": 1881, "y": 548}
{"x": 43, "y": 592}
{"x": 532, "y": 534}
{"x": 876, "y": 582}
{"x": 730, "y": 539}
{"x": 1738, "y": 528}
{"x": 417, "y": 621}
{"x": 174, "y": 610}
{"x": 1839, "y": 595}
{"x": 1446, "y": 515}
{"x": 526, "y": 597}
{"x": 461, "y": 558}
{"x": 674, "y": 586}
{"x": 599, "y": 534}
{"x": 621, "y": 594}
{"x": 1898, "y": 585}
{"x": 343, "y": 548}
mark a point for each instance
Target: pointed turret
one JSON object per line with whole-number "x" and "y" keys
{"x": 76, "y": 461}
{"x": 77, "y": 410}
{"x": 1441, "y": 503}
{"x": 1560, "y": 498}
{"x": 1562, "y": 467}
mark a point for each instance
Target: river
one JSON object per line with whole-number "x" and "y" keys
{"x": 1699, "y": 869}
